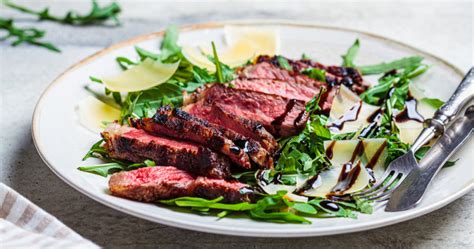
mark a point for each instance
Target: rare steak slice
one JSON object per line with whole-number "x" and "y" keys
{"x": 281, "y": 116}
{"x": 180, "y": 124}
{"x": 268, "y": 66}
{"x": 287, "y": 89}
{"x": 238, "y": 125}
{"x": 135, "y": 145}
{"x": 151, "y": 184}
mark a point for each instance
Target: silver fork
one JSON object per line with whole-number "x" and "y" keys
{"x": 399, "y": 168}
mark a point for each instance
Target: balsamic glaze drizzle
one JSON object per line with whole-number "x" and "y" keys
{"x": 351, "y": 115}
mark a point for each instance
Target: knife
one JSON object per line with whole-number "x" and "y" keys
{"x": 412, "y": 189}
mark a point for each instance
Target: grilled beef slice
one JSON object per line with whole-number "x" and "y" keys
{"x": 281, "y": 116}
{"x": 180, "y": 124}
{"x": 235, "y": 124}
{"x": 335, "y": 75}
{"x": 126, "y": 143}
{"x": 151, "y": 184}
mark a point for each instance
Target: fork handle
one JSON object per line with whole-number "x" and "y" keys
{"x": 436, "y": 126}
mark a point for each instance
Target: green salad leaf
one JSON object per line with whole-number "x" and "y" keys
{"x": 24, "y": 35}
{"x": 348, "y": 58}
{"x": 433, "y": 102}
{"x": 96, "y": 15}
{"x": 283, "y": 62}
{"x": 407, "y": 62}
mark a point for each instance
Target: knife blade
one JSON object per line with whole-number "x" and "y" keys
{"x": 412, "y": 189}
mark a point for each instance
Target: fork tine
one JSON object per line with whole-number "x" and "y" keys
{"x": 383, "y": 188}
{"x": 387, "y": 175}
{"x": 391, "y": 187}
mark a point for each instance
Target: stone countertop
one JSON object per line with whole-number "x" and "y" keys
{"x": 442, "y": 28}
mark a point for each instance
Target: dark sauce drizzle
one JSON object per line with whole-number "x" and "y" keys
{"x": 410, "y": 112}
{"x": 349, "y": 172}
{"x": 351, "y": 115}
{"x": 376, "y": 116}
{"x": 329, "y": 205}
{"x": 330, "y": 148}
{"x": 311, "y": 183}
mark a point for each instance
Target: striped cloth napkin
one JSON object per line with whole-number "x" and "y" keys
{"x": 25, "y": 225}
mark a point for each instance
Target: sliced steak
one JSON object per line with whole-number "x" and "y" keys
{"x": 179, "y": 124}
{"x": 136, "y": 145}
{"x": 151, "y": 184}
{"x": 335, "y": 75}
{"x": 239, "y": 125}
{"x": 287, "y": 89}
{"x": 266, "y": 70}
{"x": 281, "y": 116}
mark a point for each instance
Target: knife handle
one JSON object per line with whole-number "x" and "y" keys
{"x": 436, "y": 126}
{"x": 463, "y": 94}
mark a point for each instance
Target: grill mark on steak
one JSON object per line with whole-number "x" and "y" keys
{"x": 238, "y": 125}
{"x": 151, "y": 184}
{"x": 259, "y": 107}
{"x": 241, "y": 143}
{"x": 179, "y": 124}
{"x": 127, "y": 143}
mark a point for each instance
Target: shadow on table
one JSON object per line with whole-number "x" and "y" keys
{"x": 105, "y": 226}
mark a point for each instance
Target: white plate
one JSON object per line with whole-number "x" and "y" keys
{"x": 62, "y": 141}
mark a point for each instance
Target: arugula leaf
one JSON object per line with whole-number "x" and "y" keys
{"x": 219, "y": 75}
{"x": 384, "y": 67}
{"x": 95, "y": 79}
{"x": 102, "y": 169}
{"x": 143, "y": 53}
{"x": 304, "y": 153}
{"x": 304, "y": 208}
{"x": 283, "y": 62}
{"x": 96, "y": 15}
{"x": 393, "y": 86}
{"x": 25, "y": 35}
{"x": 169, "y": 46}
{"x": 269, "y": 209}
{"x": 433, "y": 102}
{"x": 150, "y": 100}
{"x": 96, "y": 151}
{"x": 224, "y": 73}
{"x": 348, "y": 58}
{"x": 315, "y": 73}
{"x": 340, "y": 212}
{"x": 125, "y": 63}
{"x": 211, "y": 204}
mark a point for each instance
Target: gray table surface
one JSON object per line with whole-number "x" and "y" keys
{"x": 442, "y": 28}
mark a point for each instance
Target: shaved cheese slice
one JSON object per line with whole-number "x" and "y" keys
{"x": 409, "y": 130}
{"x": 93, "y": 112}
{"x": 195, "y": 57}
{"x": 234, "y": 56}
{"x": 145, "y": 75}
{"x": 265, "y": 40}
{"x": 342, "y": 153}
{"x": 347, "y": 102}
{"x": 296, "y": 198}
{"x": 274, "y": 188}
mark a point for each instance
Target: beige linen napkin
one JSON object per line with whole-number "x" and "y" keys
{"x": 25, "y": 225}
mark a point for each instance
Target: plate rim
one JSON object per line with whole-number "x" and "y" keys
{"x": 300, "y": 232}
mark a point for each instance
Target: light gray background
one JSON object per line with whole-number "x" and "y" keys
{"x": 442, "y": 28}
